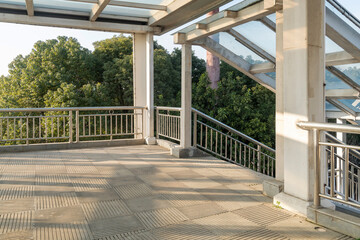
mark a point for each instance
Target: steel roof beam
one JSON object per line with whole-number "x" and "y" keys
{"x": 97, "y": 9}
{"x": 30, "y": 7}
{"x": 344, "y": 77}
{"x": 341, "y": 106}
{"x": 128, "y": 4}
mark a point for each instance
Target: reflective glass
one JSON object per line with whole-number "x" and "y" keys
{"x": 351, "y": 70}
{"x": 333, "y": 82}
{"x": 330, "y": 107}
{"x": 351, "y": 103}
{"x": 331, "y": 46}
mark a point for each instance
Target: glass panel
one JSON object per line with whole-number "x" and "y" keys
{"x": 15, "y": 2}
{"x": 333, "y": 82}
{"x": 351, "y": 103}
{"x": 271, "y": 74}
{"x": 331, "y": 46}
{"x": 351, "y": 70}
{"x": 330, "y": 107}
{"x": 124, "y": 11}
{"x": 230, "y": 43}
{"x": 64, "y": 5}
{"x": 259, "y": 34}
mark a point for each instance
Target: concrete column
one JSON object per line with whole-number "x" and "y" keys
{"x": 303, "y": 100}
{"x": 185, "y": 123}
{"x": 143, "y": 77}
{"x": 279, "y": 97}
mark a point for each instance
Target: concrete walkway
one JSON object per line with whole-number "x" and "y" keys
{"x": 138, "y": 192}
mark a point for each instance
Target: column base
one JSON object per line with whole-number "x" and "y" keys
{"x": 291, "y": 203}
{"x": 272, "y": 187}
{"x": 150, "y": 140}
{"x": 181, "y": 152}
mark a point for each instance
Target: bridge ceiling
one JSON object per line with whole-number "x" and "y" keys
{"x": 129, "y": 16}
{"x": 247, "y": 31}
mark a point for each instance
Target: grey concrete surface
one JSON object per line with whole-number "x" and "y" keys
{"x": 138, "y": 192}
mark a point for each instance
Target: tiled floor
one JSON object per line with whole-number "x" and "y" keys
{"x": 138, "y": 192}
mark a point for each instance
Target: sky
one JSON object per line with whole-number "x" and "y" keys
{"x": 19, "y": 39}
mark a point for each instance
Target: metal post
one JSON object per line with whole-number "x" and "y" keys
{"x": 70, "y": 127}
{"x": 332, "y": 173}
{"x": 27, "y": 130}
{"x": 157, "y": 123}
{"x": 195, "y": 130}
{"x": 316, "y": 138}
{"x": 258, "y": 157}
{"x": 346, "y": 176}
{"x": 77, "y": 126}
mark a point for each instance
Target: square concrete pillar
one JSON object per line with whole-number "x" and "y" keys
{"x": 303, "y": 97}
{"x": 143, "y": 77}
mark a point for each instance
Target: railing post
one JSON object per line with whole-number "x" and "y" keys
{"x": 157, "y": 123}
{"x": 346, "y": 176}
{"x": 70, "y": 127}
{"x": 195, "y": 130}
{"x": 27, "y": 130}
{"x": 316, "y": 138}
{"x": 77, "y": 126}
{"x": 111, "y": 126}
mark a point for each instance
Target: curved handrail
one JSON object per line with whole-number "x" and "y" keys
{"x": 232, "y": 130}
{"x": 329, "y": 127}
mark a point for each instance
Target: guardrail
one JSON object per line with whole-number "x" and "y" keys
{"x": 39, "y": 125}
{"x": 343, "y": 172}
{"x": 227, "y": 143}
{"x": 168, "y": 123}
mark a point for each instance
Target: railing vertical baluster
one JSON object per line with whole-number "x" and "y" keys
{"x": 77, "y": 126}
{"x": 258, "y": 158}
{"x": 216, "y": 141}
{"x": 14, "y": 128}
{"x": 132, "y": 123}
{"x": 126, "y": 123}
{"x": 347, "y": 155}
{"x": 89, "y": 127}
{"x": 316, "y": 139}
{"x": 1, "y": 129}
{"x": 225, "y": 145}
{"x": 332, "y": 173}
{"x": 58, "y": 126}
{"x": 235, "y": 151}
{"x": 27, "y": 130}
{"x": 253, "y": 160}
{"x": 106, "y": 124}
{"x": 21, "y": 128}
{"x": 111, "y": 127}
{"x": 70, "y": 126}
{"x": 211, "y": 139}
{"x": 84, "y": 131}
{"x": 157, "y": 123}
{"x": 352, "y": 185}
{"x": 221, "y": 144}
{"x": 195, "y": 130}
{"x": 46, "y": 127}
{"x": 240, "y": 154}
{"x": 121, "y": 124}
{"x": 201, "y": 134}
{"x": 95, "y": 133}
{"x": 100, "y": 116}
{"x": 206, "y": 136}
{"x": 116, "y": 124}
{"x": 231, "y": 149}
{"x": 64, "y": 126}
{"x": 40, "y": 127}
{"x": 52, "y": 127}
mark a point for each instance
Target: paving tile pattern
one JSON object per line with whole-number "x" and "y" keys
{"x": 138, "y": 193}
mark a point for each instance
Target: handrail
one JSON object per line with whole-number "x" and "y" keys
{"x": 345, "y": 12}
{"x": 232, "y": 130}
{"x": 168, "y": 108}
{"x": 329, "y": 127}
{"x": 68, "y": 109}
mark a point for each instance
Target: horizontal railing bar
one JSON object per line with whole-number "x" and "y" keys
{"x": 41, "y": 116}
{"x": 69, "y": 109}
{"x": 167, "y": 115}
{"x": 334, "y": 139}
{"x": 339, "y": 145}
{"x": 108, "y": 114}
{"x": 340, "y": 200}
{"x": 24, "y": 139}
{"x": 162, "y": 135}
{"x": 107, "y": 135}
{"x": 177, "y": 109}
{"x": 329, "y": 127}
{"x": 232, "y": 130}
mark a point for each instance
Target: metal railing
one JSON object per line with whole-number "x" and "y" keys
{"x": 168, "y": 123}
{"x": 39, "y": 125}
{"x": 227, "y": 143}
{"x": 343, "y": 170}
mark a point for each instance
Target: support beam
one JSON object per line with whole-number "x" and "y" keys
{"x": 186, "y": 81}
{"x": 30, "y": 7}
{"x": 149, "y": 69}
{"x": 342, "y": 94}
{"x": 344, "y": 78}
{"x": 342, "y": 34}
{"x": 236, "y": 61}
{"x": 180, "y": 12}
{"x": 78, "y": 24}
{"x": 267, "y": 22}
{"x": 266, "y": 67}
{"x": 128, "y": 4}
{"x": 247, "y": 14}
{"x": 340, "y": 58}
{"x": 341, "y": 106}
{"x": 252, "y": 46}
{"x": 97, "y": 9}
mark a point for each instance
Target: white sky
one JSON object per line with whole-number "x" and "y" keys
{"x": 19, "y": 39}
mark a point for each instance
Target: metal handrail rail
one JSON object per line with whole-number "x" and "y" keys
{"x": 230, "y": 129}
{"x": 168, "y": 108}
{"x": 329, "y": 127}
{"x": 69, "y": 109}
{"x": 345, "y": 12}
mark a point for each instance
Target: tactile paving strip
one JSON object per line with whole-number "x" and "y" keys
{"x": 55, "y": 201}
{"x": 133, "y": 191}
{"x": 181, "y": 199}
{"x": 55, "y": 179}
{"x": 70, "y": 231}
{"x": 16, "y": 192}
{"x": 11, "y": 222}
{"x": 82, "y": 185}
{"x": 161, "y": 217}
{"x": 105, "y": 209}
{"x": 81, "y": 169}
{"x": 263, "y": 215}
{"x": 263, "y": 234}
{"x": 131, "y": 236}
{"x": 184, "y": 231}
